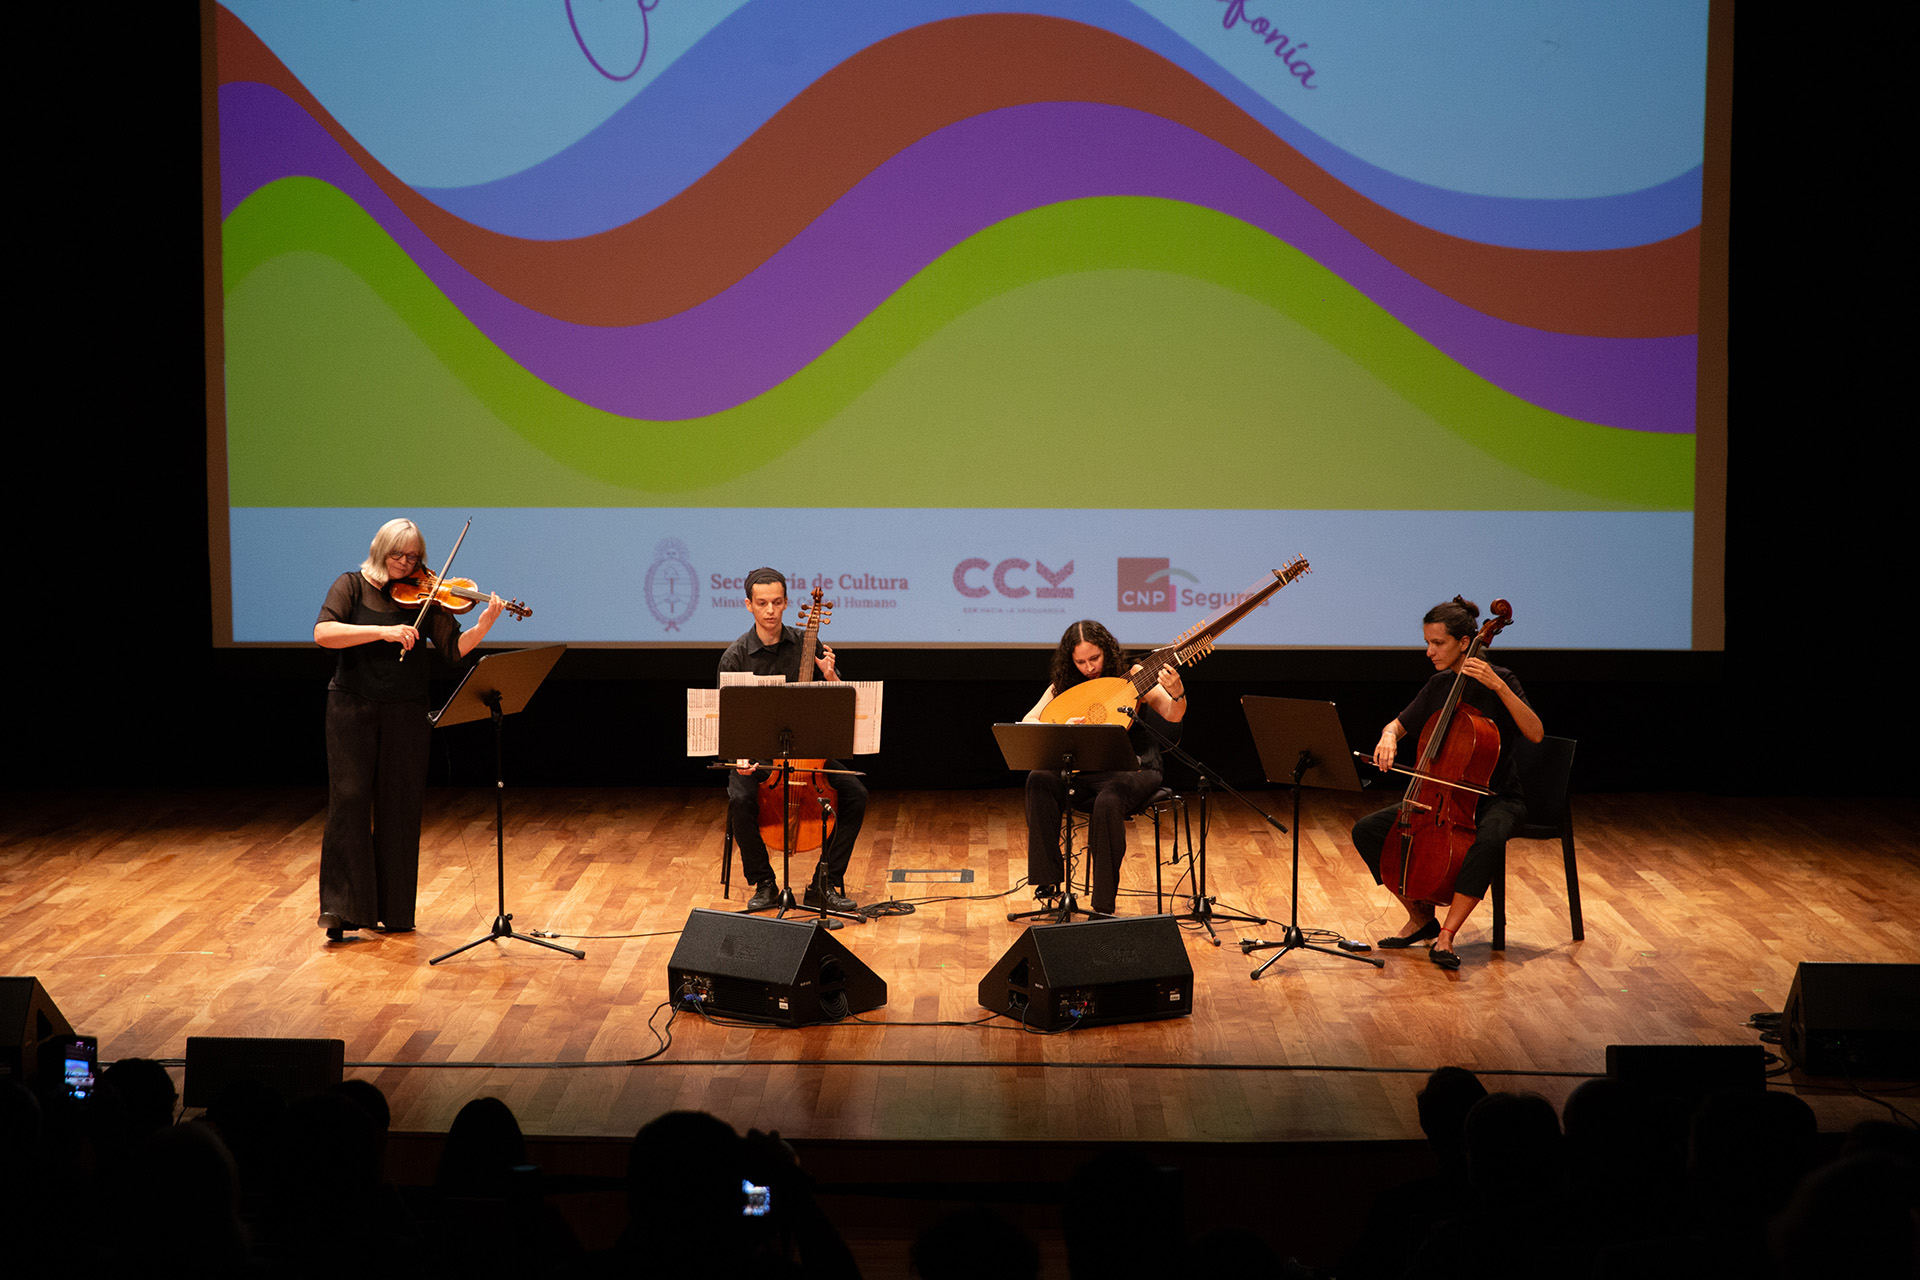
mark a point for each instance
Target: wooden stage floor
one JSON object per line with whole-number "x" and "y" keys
{"x": 151, "y": 917}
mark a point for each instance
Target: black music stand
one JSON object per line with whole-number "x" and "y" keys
{"x": 1073, "y": 749}
{"x": 812, "y": 721}
{"x": 498, "y": 686}
{"x": 1301, "y": 741}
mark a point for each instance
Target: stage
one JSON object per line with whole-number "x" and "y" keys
{"x": 151, "y": 917}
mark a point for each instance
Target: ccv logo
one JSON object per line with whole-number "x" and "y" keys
{"x": 1004, "y": 579}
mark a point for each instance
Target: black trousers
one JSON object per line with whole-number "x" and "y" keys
{"x": 1496, "y": 816}
{"x": 1113, "y": 797}
{"x": 743, "y": 819}
{"x": 376, "y": 786}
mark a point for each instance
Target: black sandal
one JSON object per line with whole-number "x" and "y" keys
{"x": 1445, "y": 957}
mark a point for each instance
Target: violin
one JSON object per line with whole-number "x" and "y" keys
{"x": 804, "y": 809}
{"x": 455, "y": 595}
{"x": 1439, "y": 815}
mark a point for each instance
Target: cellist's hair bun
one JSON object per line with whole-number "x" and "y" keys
{"x": 1460, "y": 616}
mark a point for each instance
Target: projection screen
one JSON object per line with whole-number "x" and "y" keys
{"x": 984, "y": 318}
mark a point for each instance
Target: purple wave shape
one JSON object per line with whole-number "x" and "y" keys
{"x": 918, "y": 205}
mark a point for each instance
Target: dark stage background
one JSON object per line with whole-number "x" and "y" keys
{"x": 112, "y": 678}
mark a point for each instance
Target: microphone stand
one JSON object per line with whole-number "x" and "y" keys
{"x": 1203, "y": 912}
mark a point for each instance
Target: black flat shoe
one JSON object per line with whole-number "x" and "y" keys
{"x": 1400, "y": 942}
{"x": 393, "y": 928}
{"x": 1444, "y": 958}
{"x": 336, "y": 927}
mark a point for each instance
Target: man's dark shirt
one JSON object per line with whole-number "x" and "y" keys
{"x": 1433, "y": 695}
{"x": 749, "y": 654}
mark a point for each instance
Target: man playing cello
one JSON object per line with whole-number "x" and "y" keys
{"x": 770, "y": 647}
{"x": 1495, "y": 693}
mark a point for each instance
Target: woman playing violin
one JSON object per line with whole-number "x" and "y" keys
{"x": 1088, "y": 651}
{"x": 1494, "y": 692}
{"x": 377, "y": 733}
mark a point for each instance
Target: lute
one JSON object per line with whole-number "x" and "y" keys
{"x": 1101, "y": 700}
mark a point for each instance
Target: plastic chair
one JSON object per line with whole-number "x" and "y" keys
{"x": 1545, "y": 769}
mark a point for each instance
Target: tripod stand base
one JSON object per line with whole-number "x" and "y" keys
{"x": 503, "y": 928}
{"x": 1295, "y": 939}
{"x": 1206, "y": 917}
{"x": 1069, "y": 908}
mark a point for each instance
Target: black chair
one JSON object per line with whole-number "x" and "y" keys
{"x": 1165, "y": 802}
{"x": 1545, "y": 768}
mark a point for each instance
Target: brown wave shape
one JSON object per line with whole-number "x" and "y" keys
{"x": 897, "y": 91}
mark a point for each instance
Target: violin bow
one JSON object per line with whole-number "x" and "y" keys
{"x": 428, "y": 602}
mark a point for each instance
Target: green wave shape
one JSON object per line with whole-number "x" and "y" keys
{"x": 1112, "y": 352}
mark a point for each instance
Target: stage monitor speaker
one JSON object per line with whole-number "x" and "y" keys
{"x": 793, "y": 972}
{"x": 1859, "y": 1020}
{"x": 28, "y": 1016}
{"x": 1088, "y": 972}
{"x": 291, "y": 1066}
{"x": 1689, "y": 1072}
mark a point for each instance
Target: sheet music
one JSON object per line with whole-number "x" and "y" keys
{"x": 866, "y": 716}
{"x": 703, "y": 713}
{"x": 703, "y": 722}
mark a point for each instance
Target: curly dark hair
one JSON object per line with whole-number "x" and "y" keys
{"x": 1461, "y": 617}
{"x": 1065, "y": 674}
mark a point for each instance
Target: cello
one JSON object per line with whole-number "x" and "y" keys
{"x": 801, "y": 806}
{"x": 1438, "y": 817}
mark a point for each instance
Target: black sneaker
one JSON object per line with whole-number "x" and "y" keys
{"x": 765, "y": 894}
{"x": 835, "y": 900}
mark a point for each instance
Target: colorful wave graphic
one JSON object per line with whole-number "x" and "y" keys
{"x": 829, "y": 264}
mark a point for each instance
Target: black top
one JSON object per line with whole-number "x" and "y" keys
{"x": 1146, "y": 747}
{"x": 374, "y": 670}
{"x": 1433, "y": 695}
{"x": 780, "y": 659}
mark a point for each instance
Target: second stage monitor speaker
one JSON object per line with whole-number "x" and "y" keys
{"x": 1854, "y": 1020}
{"x": 1088, "y": 972}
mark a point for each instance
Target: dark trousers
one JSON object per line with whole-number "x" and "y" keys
{"x": 743, "y": 819}
{"x": 1109, "y": 797}
{"x": 1496, "y": 816}
{"x": 376, "y": 785}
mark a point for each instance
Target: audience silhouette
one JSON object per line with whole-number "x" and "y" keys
{"x": 1636, "y": 1186}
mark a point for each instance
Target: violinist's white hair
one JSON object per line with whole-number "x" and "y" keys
{"x": 396, "y": 536}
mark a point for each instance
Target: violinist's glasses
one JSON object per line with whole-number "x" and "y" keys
{"x": 409, "y": 556}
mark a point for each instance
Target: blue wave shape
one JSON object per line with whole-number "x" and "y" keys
{"x": 750, "y": 65}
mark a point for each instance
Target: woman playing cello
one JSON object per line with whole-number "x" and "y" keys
{"x": 1495, "y": 693}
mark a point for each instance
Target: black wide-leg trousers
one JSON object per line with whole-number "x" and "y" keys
{"x": 1114, "y": 796}
{"x": 376, "y": 787}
